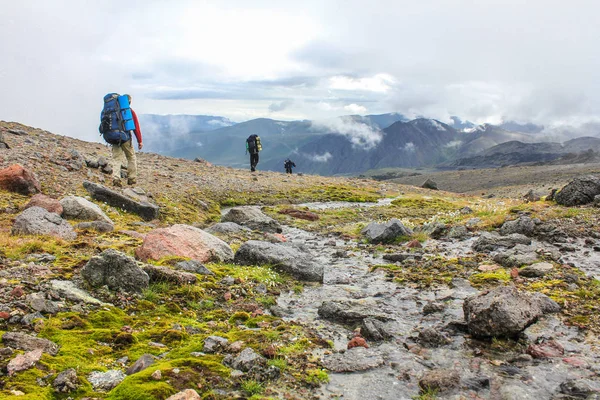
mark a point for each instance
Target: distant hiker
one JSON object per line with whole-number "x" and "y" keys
{"x": 253, "y": 146}
{"x": 118, "y": 122}
{"x": 288, "y": 164}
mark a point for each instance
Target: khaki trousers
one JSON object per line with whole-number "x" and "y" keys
{"x": 118, "y": 150}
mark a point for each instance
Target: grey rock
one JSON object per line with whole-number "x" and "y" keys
{"x": 38, "y": 221}
{"x": 247, "y": 360}
{"x": 284, "y": 257}
{"x": 69, "y": 291}
{"x": 434, "y": 230}
{"x": 92, "y": 164}
{"x": 352, "y": 360}
{"x": 141, "y": 364}
{"x": 75, "y": 207}
{"x": 504, "y": 311}
{"x": 349, "y": 311}
{"x": 398, "y": 257}
{"x": 106, "y": 381}
{"x": 579, "y": 191}
{"x": 165, "y": 274}
{"x": 536, "y": 270}
{"x": 147, "y": 211}
{"x": 433, "y": 307}
{"x": 374, "y": 330}
{"x": 596, "y": 201}
{"x": 466, "y": 210}
{"x": 458, "y": 232}
{"x": 227, "y": 228}
{"x": 253, "y": 218}
{"x": 523, "y": 225}
{"x": 22, "y": 341}
{"x": 193, "y": 266}
{"x": 387, "y": 232}
{"x": 578, "y": 389}
{"x": 98, "y": 226}
{"x": 531, "y": 196}
{"x": 116, "y": 270}
{"x": 429, "y": 184}
{"x": 516, "y": 257}
{"x": 476, "y": 383}
{"x": 214, "y": 344}
{"x": 66, "y": 381}
{"x": 24, "y": 361}
{"x": 490, "y": 241}
{"x": 29, "y": 319}
{"x": 38, "y": 302}
{"x": 430, "y": 337}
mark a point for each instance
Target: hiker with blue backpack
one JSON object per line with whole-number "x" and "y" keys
{"x": 118, "y": 123}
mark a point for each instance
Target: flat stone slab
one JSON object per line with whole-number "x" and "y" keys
{"x": 147, "y": 211}
{"x": 355, "y": 359}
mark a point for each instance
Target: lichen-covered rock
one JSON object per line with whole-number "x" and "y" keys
{"x": 283, "y": 257}
{"x": 579, "y": 191}
{"x": 38, "y": 221}
{"x": 387, "y": 232}
{"x": 46, "y": 202}
{"x": 75, "y": 207}
{"x": 523, "y": 225}
{"x": 247, "y": 360}
{"x": 106, "y": 381}
{"x": 504, "y": 311}
{"x": 184, "y": 241}
{"x": 165, "y": 274}
{"x": 19, "y": 180}
{"x": 116, "y": 270}
{"x": 214, "y": 344}
{"x": 22, "y": 341}
{"x": 439, "y": 380}
{"x": 66, "y": 381}
{"x": 253, "y": 218}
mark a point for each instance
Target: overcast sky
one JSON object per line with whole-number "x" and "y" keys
{"x": 483, "y": 60}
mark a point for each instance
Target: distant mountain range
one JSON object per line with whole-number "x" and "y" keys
{"x": 353, "y": 144}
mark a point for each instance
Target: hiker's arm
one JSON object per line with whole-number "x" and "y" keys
{"x": 138, "y": 131}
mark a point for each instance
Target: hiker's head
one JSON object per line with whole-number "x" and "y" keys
{"x": 129, "y": 98}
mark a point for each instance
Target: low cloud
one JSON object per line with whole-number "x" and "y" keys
{"x": 359, "y": 134}
{"x": 322, "y": 158}
{"x": 282, "y": 105}
{"x": 453, "y": 144}
{"x": 355, "y": 109}
{"x": 409, "y": 147}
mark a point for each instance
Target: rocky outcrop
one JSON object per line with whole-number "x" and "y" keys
{"x": 490, "y": 241}
{"x": 253, "y": 218}
{"x": 504, "y": 311}
{"x": 387, "y": 232}
{"x": 75, "y": 207}
{"x": 47, "y": 203}
{"x": 147, "y": 211}
{"x": 116, "y": 270}
{"x": 284, "y": 257}
{"x": 429, "y": 184}
{"x": 184, "y": 241}
{"x": 523, "y": 225}
{"x": 19, "y": 180}
{"x": 579, "y": 191}
{"x": 22, "y": 341}
{"x": 38, "y": 221}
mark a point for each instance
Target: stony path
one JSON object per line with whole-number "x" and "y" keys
{"x": 391, "y": 369}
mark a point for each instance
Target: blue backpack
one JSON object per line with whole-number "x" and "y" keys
{"x": 116, "y": 119}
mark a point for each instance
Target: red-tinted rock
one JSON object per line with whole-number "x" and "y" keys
{"x": 17, "y": 179}
{"x": 575, "y": 362}
{"x": 300, "y": 214}
{"x": 514, "y": 273}
{"x": 547, "y": 349}
{"x": 4, "y": 315}
{"x": 188, "y": 394}
{"x": 46, "y": 202}
{"x": 227, "y": 296}
{"x": 184, "y": 241}
{"x": 24, "y": 361}
{"x": 414, "y": 244}
{"x": 358, "y": 342}
{"x": 17, "y": 292}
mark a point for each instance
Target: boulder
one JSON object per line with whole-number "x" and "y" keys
{"x": 75, "y": 207}
{"x": 387, "y": 232}
{"x": 116, "y": 270}
{"x": 141, "y": 364}
{"x": 516, "y": 257}
{"x": 22, "y": 341}
{"x": 350, "y": 311}
{"x": 374, "y": 330}
{"x": 214, "y": 344}
{"x": 430, "y": 337}
{"x": 106, "y": 381}
{"x": 284, "y": 257}
{"x": 531, "y": 196}
{"x": 47, "y": 203}
{"x": 38, "y": 221}
{"x": 253, "y": 218}
{"x": 184, "y": 241}
{"x": 435, "y": 230}
{"x": 300, "y": 214}
{"x": 66, "y": 381}
{"x": 536, "y": 270}
{"x": 429, "y": 184}
{"x": 147, "y": 211}
{"x": 227, "y": 227}
{"x": 247, "y": 360}
{"x": 490, "y": 241}
{"x": 194, "y": 267}
{"x": 38, "y": 302}
{"x": 165, "y": 274}
{"x": 579, "y": 191}
{"x": 19, "y": 180}
{"x": 523, "y": 225}
{"x": 68, "y": 290}
{"x": 458, "y": 232}
{"x": 504, "y": 311}
{"x": 24, "y": 361}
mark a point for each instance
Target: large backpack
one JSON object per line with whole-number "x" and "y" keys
{"x": 254, "y": 145}
{"x": 116, "y": 119}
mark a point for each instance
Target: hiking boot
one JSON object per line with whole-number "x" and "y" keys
{"x": 117, "y": 183}
{"x": 131, "y": 181}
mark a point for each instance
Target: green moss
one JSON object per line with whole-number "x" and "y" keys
{"x": 499, "y": 275}
{"x": 315, "y": 377}
{"x": 252, "y": 387}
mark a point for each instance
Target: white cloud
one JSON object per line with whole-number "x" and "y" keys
{"x": 355, "y": 109}
{"x": 319, "y": 157}
{"x": 360, "y": 135}
{"x": 378, "y": 83}
{"x": 409, "y": 147}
